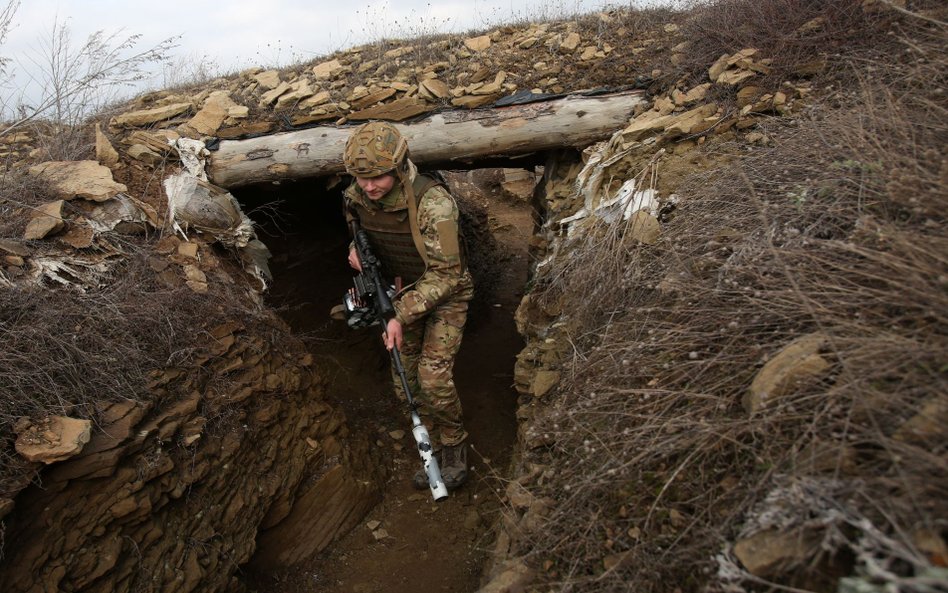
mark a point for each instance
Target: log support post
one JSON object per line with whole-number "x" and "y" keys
{"x": 444, "y": 139}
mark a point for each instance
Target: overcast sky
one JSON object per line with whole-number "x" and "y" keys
{"x": 222, "y": 36}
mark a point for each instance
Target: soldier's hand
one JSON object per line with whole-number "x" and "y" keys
{"x": 355, "y": 298}
{"x": 354, "y": 259}
{"x": 393, "y": 334}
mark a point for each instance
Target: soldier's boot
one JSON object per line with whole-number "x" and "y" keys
{"x": 420, "y": 479}
{"x": 453, "y": 465}
{"x": 454, "y": 468}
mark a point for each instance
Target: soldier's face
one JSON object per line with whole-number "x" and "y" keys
{"x": 376, "y": 187}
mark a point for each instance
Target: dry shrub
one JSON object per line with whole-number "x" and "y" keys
{"x": 64, "y": 142}
{"x": 20, "y": 194}
{"x": 795, "y": 35}
{"x": 625, "y": 29}
{"x": 791, "y": 32}
{"x": 838, "y": 229}
{"x": 623, "y": 26}
{"x": 66, "y": 352}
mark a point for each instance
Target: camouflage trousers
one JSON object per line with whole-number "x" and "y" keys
{"x": 429, "y": 348}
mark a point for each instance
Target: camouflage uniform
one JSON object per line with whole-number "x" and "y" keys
{"x": 432, "y": 306}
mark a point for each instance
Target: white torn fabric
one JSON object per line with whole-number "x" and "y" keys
{"x": 206, "y": 208}
{"x": 580, "y": 214}
{"x": 633, "y": 201}
{"x": 193, "y": 155}
{"x": 120, "y": 210}
{"x": 255, "y": 258}
{"x": 589, "y": 179}
{"x": 624, "y": 204}
{"x": 68, "y": 271}
{"x": 592, "y": 185}
{"x": 599, "y": 157}
{"x": 195, "y": 204}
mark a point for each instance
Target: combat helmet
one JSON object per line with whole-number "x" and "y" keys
{"x": 374, "y": 149}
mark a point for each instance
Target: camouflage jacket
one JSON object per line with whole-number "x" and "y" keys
{"x": 445, "y": 278}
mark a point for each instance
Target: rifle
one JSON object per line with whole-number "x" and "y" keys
{"x": 370, "y": 288}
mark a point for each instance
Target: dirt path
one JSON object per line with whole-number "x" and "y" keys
{"x": 407, "y": 543}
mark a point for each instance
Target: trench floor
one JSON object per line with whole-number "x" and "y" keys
{"x": 406, "y": 543}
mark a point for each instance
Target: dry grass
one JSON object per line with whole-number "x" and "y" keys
{"x": 790, "y": 32}
{"x": 837, "y": 228}
{"x": 20, "y": 194}
{"x": 800, "y": 38}
{"x": 67, "y": 352}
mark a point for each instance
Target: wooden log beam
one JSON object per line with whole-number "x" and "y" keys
{"x": 462, "y": 136}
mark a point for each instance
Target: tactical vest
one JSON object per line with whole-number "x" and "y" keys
{"x": 390, "y": 235}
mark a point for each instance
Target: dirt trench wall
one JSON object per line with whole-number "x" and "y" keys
{"x": 170, "y": 497}
{"x": 544, "y": 325}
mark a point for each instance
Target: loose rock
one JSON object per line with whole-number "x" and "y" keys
{"x": 478, "y": 43}
{"x": 146, "y": 117}
{"x": 798, "y": 361}
{"x": 105, "y": 153}
{"x": 48, "y": 220}
{"x": 55, "y": 439}
{"x": 78, "y": 179}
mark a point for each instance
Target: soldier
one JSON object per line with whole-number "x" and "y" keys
{"x": 412, "y": 223}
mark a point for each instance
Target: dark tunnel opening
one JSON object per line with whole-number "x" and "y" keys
{"x": 302, "y": 224}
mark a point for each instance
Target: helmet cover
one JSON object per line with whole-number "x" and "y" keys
{"x": 374, "y": 149}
